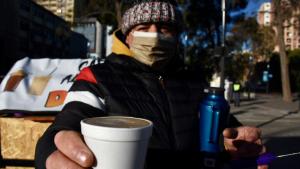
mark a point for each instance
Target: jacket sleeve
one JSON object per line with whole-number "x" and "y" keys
{"x": 233, "y": 121}
{"x": 85, "y": 99}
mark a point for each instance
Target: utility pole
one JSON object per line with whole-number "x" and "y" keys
{"x": 222, "y": 61}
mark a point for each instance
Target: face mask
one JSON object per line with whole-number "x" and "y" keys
{"x": 152, "y": 48}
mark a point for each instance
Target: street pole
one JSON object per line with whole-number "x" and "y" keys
{"x": 222, "y": 61}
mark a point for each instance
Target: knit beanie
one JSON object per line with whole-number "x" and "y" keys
{"x": 151, "y": 11}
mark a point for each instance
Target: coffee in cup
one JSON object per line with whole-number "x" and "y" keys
{"x": 118, "y": 142}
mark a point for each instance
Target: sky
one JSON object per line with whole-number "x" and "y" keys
{"x": 250, "y": 11}
{"x": 253, "y": 6}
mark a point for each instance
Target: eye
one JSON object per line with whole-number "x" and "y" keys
{"x": 168, "y": 30}
{"x": 143, "y": 28}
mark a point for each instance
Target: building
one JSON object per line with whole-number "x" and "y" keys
{"x": 264, "y": 16}
{"x": 100, "y": 41}
{"x": 8, "y": 29}
{"x": 66, "y": 9}
{"x": 97, "y": 35}
{"x": 29, "y": 30}
{"x": 109, "y": 40}
{"x": 291, "y": 33}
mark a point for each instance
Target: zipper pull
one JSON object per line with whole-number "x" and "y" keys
{"x": 161, "y": 81}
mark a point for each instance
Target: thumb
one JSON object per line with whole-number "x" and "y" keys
{"x": 230, "y": 133}
{"x": 71, "y": 144}
{"x": 262, "y": 167}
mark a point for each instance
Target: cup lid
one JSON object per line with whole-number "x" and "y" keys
{"x": 117, "y": 122}
{"x": 116, "y": 128}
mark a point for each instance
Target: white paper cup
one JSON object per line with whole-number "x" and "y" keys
{"x": 118, "y": 142}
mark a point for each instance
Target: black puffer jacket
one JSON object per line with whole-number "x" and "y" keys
{"x": 123, "y": 86}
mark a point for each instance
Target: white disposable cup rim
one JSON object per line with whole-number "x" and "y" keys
{"x": 105, "y": 133}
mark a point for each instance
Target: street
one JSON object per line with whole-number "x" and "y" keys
{"x": 280, "y": 124}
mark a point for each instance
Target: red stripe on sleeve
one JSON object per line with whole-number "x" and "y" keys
{"x": 87, "y": 75}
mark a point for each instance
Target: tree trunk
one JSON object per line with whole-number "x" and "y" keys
{"x": 118, "y": 9}
{"x": 284, "y": 62}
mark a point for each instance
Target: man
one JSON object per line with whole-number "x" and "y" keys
{"x": 236, "y": 93}
{"x": 140, "y": 79}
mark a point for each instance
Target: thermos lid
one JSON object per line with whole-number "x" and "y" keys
{"x": 214, "y": 90}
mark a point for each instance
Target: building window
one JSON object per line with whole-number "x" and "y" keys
{"x": 59, "y": 11}
{"x": 288, "y": 40}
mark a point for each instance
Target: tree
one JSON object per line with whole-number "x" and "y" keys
{"x": 203, "y": 21}
{"x": 107, "y": 12}
{"x": 243, "y": 33}
{"x": 258, "y": 39}
{"x": 294, "y": 57}
{"x": 283, "y": 11}
{"x": 238, "y": 66}
{"x": 264, "y": 41}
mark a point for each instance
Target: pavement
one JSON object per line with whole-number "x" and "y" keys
{"x": 279, "y": 122}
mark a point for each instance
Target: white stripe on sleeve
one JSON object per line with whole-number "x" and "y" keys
{"x": 87, "y": 98}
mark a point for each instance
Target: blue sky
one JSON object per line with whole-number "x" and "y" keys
{"x": 250, "y": 10}
{"x": 253, "y": 6}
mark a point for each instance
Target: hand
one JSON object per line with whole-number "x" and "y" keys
{"x": 71, "y": 152}
{"x": 243, "y": 142}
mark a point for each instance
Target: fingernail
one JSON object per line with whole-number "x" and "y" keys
{"x": 85, "y": 158}
{"x": 82, "y": 156}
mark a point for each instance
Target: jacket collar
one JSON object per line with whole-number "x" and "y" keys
{"x": 119, "y": 47}
{"x": 123, "y": 56}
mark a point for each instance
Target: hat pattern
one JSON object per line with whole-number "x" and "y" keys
{"x": 147, "y": 12}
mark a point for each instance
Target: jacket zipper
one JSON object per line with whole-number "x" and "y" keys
{"x": 168, "y": 113}
{"x": 161, "y": 82}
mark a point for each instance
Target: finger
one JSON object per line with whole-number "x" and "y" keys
{"x": 249, "y": 149}
{"x": 71, "y": 144}
{"x": 241, "y": 148}
{"x": 58, "y": 160}
{"x": 263, "y": 150}
{"x": 228, "y": 144}
{"x": 246, "y": 133}
{"x": 262, "y": 167}
{"x": 250, "y": 134}
{"x": 230, "y": 133}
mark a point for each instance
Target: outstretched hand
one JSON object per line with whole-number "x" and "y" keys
{"x": 71, "y": 152}
{"x": 243, "y": 142}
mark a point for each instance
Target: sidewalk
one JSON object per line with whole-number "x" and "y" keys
{"x": 269, "y": 100}
{"x": 279, "y": 122}
{"x": 270, "y": 113}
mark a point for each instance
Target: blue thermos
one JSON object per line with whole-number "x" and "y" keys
{"x": 213, "y": 119}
